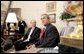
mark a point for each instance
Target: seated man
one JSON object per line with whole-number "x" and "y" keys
{"x": 49, "y": 36}
{"x": 30, "y": 37}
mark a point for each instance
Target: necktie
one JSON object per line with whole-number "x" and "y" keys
{"x": 42, "y": 33}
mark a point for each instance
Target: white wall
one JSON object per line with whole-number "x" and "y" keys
{"x": 34, "y": 9}
{"x": 30, "y": 10}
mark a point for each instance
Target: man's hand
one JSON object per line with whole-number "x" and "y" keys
{"x": 31, "y": 46}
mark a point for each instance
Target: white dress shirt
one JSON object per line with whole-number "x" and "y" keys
{"x": 32, "y": 29}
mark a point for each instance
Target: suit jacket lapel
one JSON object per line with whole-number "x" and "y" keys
{"x": 47, "y": 28}
{"x": 33, "y": 32}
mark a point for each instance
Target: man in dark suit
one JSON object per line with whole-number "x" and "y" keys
{"x": 50, "y": 37}
{"x": 29, "y": 38}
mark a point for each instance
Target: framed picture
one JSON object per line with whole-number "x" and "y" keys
{"x": 52, "y": 18}
{"x": 50, "y": 7}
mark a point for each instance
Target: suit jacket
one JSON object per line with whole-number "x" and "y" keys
{"x": 51, "y": 38}
{"x": 35, "y": 34}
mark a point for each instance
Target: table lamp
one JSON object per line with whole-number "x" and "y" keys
{"x": 11, "y": 19}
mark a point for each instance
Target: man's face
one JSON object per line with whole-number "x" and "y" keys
{"x": 44, "y": 19}
{"x": 33, "y": 23}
